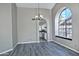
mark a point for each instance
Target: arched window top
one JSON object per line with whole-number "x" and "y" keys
{"x": 65, "y": 14}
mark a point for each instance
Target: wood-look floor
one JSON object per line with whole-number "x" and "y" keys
{"x": 41, "y": 49}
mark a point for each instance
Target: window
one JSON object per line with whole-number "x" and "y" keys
{"x": 64, "y": 24}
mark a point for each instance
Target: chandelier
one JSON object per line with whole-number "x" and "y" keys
{"x": 39, "y": 16}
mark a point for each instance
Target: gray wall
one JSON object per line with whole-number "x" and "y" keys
{"x": 5, "y": 27}
{"x": 74, "y": 44}
{"x": 26, "y": 27}
{"x": 14, "y": 24}
{"x": 8, "y": 26}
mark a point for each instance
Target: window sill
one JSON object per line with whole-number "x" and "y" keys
{"x": 64, "y": 38}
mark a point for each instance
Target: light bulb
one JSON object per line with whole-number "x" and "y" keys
{"x": 41, "y": 16}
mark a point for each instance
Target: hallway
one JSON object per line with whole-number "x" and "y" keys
{"x": 41, "y": 49}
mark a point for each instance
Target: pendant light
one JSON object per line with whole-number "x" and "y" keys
{"x": 39, "y": 16}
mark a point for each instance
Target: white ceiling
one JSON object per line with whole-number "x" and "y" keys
{"x": 35, "y": 5}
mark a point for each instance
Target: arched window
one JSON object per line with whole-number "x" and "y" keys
{"x": 64, "y": 22}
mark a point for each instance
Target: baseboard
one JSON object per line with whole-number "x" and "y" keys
{"x": 38, "y": 42}
{"x": 66, "y": 47}
{"x": 6, "y": 51}
{"x": 50, "y": 40}
{"x": 9, "y": 49}
{"x": 28, "y": 42}
{"x": 15, "y": 45}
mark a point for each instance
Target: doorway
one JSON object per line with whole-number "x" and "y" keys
{"x": 42, "y": 30}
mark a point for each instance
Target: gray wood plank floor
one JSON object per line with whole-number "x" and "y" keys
{"x": 41, "y": 49}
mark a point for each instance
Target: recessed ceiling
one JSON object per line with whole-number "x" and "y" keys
{"x": 35, "y": 5}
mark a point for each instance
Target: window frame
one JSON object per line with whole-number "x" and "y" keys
{"x": 69, "y": 18}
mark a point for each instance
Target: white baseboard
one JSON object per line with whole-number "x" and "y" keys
{"x": 38, "y": 42}
{"x": 67, "y": 47}
{"x": 28, "y": 42}
{"x": 50, "y": 40}
{"x": 6, "y": 51}
{"x": 17, "y": 44}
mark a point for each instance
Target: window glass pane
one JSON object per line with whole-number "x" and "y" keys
{"x": 66, "y": 13}
{"x": 65, "y": 24}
